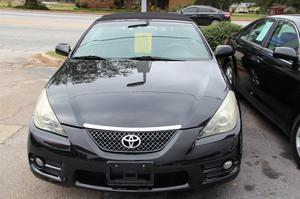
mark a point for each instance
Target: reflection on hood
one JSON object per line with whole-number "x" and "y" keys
{"x": 89, "y": 71}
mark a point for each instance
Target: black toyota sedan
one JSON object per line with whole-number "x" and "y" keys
{"x": 266, "y": 71}
{"x": 139, "y": 105}
{"x": 205, "y": 15}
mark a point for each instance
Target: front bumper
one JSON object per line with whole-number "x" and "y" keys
{"x": 185, "y": 163}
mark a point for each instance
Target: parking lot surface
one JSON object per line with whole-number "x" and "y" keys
{"x": 268, "y": 169}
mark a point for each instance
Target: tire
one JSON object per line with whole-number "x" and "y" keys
{"x": 214, "y": 21}
{"x": 230, "y": 74}
{"x": 295, "y": 140}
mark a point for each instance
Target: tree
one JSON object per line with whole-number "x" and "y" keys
{"x": 35, "y": 4}
{"x": 31, "y": 3}
{"x": 221, "y": 4}
{"x": 160, "y": 3}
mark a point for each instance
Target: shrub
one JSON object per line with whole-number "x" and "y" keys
{"x": 80, "y": 4}
{"x": 34, "y": 7}
{"x": 290, "y": 10}
{"x": 77, "y": 3}
{"x": 216, "y": 34}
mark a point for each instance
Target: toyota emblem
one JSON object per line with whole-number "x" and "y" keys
{"x": 131, "y": 141}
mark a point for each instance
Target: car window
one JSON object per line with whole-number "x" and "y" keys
{"x": 173, "y": 40}
{"x": 258, "y": 32}
{"x": 204, "y": 9}
{"x": 285, "y": 35}
{"x": 191, "y": 10}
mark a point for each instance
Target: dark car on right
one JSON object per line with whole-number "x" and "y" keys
{"x": 204, "y": 15}
{"x": 266, "y": 71}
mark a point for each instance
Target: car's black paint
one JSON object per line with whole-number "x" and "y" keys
{"x": 63, "y": 49}
{"x": 201, "y": 159}
{"x": 185, "y": 93}
{"x": 204, "y": 15}
{"x": 222, "y": 51}
{"x": 128, "y": 93}
{"x": 270, "y": 83}
{"x": 288, "y": 54}
{"x": 268, "y": 79}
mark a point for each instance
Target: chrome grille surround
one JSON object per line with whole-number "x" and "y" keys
{"x": 151, "y": 141}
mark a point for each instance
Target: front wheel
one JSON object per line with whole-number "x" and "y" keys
{"x": 296, "y": 143}
{"x": 230, "y": 74}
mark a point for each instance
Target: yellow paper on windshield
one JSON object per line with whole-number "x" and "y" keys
{"x": 143, "y": 43}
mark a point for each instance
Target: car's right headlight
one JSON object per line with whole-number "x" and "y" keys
{"x": 44, "y": 117}
{"x": 225, "y": 119}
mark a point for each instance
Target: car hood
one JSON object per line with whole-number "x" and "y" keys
{"x": 136, "y": 93}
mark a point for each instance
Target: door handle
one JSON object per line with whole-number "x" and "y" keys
{"x": 259, "y": 59}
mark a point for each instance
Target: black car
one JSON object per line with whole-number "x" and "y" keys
{"x": 266, "y": 71}
{"x": 205, "y": 15}
{"x": 139, "y": 105}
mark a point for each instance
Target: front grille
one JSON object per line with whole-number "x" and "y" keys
{"x": 151, "y": 141}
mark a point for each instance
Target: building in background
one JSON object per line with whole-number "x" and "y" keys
{"x": 277, "y": 10}
{"x": 107, "y": 4}
{"x": 131, "y": 4}
{"x": 244, "y": 7}
{"x": 97, "y": 3}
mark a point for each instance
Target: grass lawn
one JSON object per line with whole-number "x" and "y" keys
{"x": 246, "y": 17}
{"x": 68, "y": 7}
{"x": 4, "y": 4}
{"x": 55, "y": 55}
{"x": 72, "y": 7}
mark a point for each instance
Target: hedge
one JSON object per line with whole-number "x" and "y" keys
{"x": 216, "y": 34}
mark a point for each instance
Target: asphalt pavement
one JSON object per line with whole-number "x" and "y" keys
{"x": 268, "y": 169}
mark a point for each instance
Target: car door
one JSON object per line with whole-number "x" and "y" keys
{"x": 206, "y": 15}
{"x": 278, "y": 83}
{"x": 193, "y": 13}
{"x": 247, "y": 44}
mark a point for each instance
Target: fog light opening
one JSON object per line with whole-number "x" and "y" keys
{"x": 39, "y": 162}
{"x": 227, "y": 165}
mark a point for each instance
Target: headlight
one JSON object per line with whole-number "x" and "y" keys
{"x": 224, "y": 119}
{"x": 44, "y": 117}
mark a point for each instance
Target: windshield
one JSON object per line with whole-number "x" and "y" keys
{"x": 133, "y": 39}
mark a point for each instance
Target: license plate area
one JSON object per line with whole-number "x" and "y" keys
{"x": 130, "y": 173}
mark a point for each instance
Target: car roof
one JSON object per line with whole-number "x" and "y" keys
{"x": 163, "y": 16}
{"x": 294, "y": 18}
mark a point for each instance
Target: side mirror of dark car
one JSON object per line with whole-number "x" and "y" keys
{"x": 288, "y": 54}
{"x": 63, "y": 49}
{"x": 223, "y": 51}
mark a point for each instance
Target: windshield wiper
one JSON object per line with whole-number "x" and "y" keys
{"x": 153, "y": 58}
{"x": 139, "y": 25}
{"x": 90, "y": 57}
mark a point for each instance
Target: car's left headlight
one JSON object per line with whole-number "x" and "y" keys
{"x": 44, "y": 117}
{"x": 225, "y": 119}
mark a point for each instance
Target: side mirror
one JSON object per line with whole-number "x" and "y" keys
{"x": 63, "y": 49}
{"x": 223, "y": 51}
{"x": 288, "y": 54}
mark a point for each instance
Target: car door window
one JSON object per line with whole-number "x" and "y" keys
{"x": 205, "y": 10}
{"x": 285, "y": 35}
{"x": 190, "y": 10}
{"x": 258, "y": 32}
